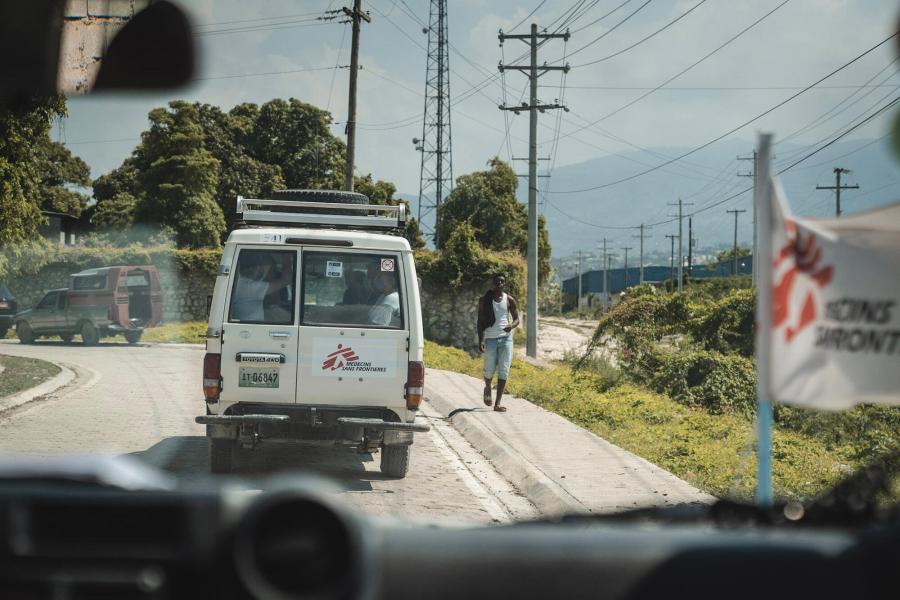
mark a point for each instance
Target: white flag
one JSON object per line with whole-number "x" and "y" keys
{"x": 834, "y": 339}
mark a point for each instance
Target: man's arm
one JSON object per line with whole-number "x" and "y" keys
{"x": 287, "y": 275}
{"x": 514, "y": 313}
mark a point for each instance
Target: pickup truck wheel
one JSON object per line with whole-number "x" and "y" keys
{"x": 395, "y": 461}
{"x": 133, "y": 337}
{"x": 66, "y": 337}
{"x": 221, "y": 455}
{"x": 24, "y": 333}
{"x": 89, "y": 334}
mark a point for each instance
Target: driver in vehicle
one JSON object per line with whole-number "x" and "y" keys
{"x": 387, "y": 305}
{"x": 254, "y": 284}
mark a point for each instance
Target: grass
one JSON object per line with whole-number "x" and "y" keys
{"x": 716, "y": 453}
{"x": 22, "y": 373}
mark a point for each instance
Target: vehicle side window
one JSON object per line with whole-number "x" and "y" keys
{"x": 264, "y": 287}
{"x": 89, "y": 282}
{"x": 48, "y": 301}
{"x": 355, "y": 290}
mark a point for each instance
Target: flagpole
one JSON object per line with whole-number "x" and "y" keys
{"x": 762, "y": 200}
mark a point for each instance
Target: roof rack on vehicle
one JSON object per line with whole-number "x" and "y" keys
{"x": 292, "y": 213}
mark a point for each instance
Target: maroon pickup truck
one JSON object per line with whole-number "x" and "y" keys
{"x": 98, "y": 303}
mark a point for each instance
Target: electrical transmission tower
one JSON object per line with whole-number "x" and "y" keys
{"x": 436, "y": 171}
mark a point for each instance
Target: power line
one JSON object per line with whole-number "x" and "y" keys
{"x": 613, "y": 28}
{"x": 691, "y": 66}
{"x": 528, "y": 16}
{"x": 644, "y": 39}
{"x": 715, "y": 88}
{"x": 741, "y": 126}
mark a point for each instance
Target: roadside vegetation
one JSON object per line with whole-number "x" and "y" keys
{"x": 22, "y": 373}
{"x": 682, "y": 395}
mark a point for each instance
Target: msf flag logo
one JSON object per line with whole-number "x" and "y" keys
{"x": 337, "y": 359}
{"x": 798, "y": 277}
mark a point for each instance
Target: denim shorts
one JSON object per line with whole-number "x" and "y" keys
{"x": 498, "y": 356}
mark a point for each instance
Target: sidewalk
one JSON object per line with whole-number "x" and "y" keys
{"x": 557, "y": 465}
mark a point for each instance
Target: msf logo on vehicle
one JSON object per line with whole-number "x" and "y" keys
{"x": 337, "y": 359}
{"x": 798, "y": 276}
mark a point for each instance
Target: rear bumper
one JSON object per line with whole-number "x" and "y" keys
{"x": 313, "y": 424}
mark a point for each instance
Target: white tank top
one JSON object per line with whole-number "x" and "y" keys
{"x": 501, "y": 318}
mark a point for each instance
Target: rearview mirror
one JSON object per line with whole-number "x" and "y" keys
{"x": 75, "y": 46}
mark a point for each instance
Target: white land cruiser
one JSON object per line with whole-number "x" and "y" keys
{"x": 315, "y": 330}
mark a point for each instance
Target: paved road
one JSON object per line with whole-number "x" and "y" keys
{"x": 141, "y": 400}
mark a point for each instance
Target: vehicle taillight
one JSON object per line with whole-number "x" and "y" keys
{"x": 4, "y": 304}
{"x": 212, "y": 376}
{"x": 415, "y": 384}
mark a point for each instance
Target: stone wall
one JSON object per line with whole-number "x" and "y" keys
{"x": 184, "y": 292}
{"x": 451, "y": 316}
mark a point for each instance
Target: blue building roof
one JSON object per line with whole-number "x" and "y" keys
{"x": 592, "y": 281}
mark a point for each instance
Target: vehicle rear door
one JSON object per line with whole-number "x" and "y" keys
{"x": 259, "y": 333}
{"x": 354, "y": 344}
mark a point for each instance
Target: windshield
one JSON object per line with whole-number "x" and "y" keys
{"x": 563, "y": 321}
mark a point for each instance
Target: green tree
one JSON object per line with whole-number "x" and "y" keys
{"x": 24, "y": 130}
{"x": 178, "y": 177}
{"x": 726, "y": 257}
{"x": 382, "y": 192}
{"x": 487, "y": 201}
{"x": 227, "y": 136}
{"x": 59, "y": 169}
{"x": 294, "y": 136}
{"x": 116, "y": 212}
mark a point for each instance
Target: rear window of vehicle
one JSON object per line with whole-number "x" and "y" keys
{"x": 264, "y": 287}
{"x": 137, "y": 279}
{"x": 354, "y": 290}
{"x": 89, "y": 282}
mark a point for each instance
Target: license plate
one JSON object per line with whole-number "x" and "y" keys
{"x": 257, "y": 377}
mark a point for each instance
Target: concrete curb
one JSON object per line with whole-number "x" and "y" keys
{"x": 60, "y": 380}
{"x": 543, "y": 492}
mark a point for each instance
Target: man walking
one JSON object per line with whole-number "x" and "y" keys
{"x": 498, "y": 315}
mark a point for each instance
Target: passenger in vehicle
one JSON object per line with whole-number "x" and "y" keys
{"x": 387, "y": 305}
{"x": 372, "y": 273}
{"x": 254, "y": 284}
{"x": 356, "y": 292}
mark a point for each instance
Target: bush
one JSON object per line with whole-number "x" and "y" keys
{"x": 720, "y": 383}
{"x": 462, "y": 262}
{"x": 727, "y": 325}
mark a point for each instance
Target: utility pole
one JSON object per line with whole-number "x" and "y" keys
{"x": 641, "y": 256}
{"x": 837, "y": 187}
{"x": 355, "y": 15}
{"x": 578, "y": 302}
{"x": 690, "y": 246}
{"x": 680, "y": 216}
{"x": 752, "y": 175}
{"x": 626, "y": 249}
{"x": 672, "y": 238}
{"x": 603, "y": 266}
{"x": 533, "y": 71}
{"x": 734, "y": 270}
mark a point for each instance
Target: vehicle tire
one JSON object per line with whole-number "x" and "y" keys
{"x": 66, "y": 337}
{"x": 89, "y": 334}
{"x": 395, "y": 461}
{"x": 333, "y": 196}
{"x": 221, "y": 455}
{"x": 133, "y": 337}
{"x": 24, "y": 332}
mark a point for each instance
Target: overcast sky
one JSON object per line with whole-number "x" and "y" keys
{"x": 796, "y": 45}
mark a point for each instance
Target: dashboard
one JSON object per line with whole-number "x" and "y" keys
{"x": 80, "y": 541}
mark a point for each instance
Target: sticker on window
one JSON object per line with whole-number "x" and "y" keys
{"x": 387, "y": 264}
{"x": 334, "y": 268}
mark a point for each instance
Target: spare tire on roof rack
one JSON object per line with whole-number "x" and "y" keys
{"x": 333, "y": 196}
